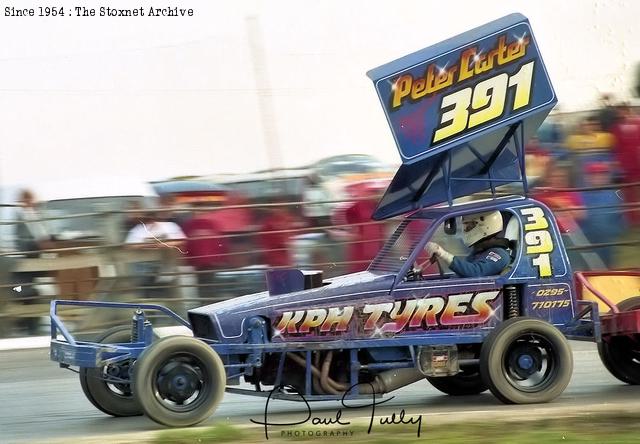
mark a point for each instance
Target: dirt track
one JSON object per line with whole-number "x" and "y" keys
{"x": 40, "y": 402}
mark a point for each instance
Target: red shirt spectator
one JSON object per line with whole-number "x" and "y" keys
{"x": 205, "y": 248}
{"x": 365, "y": 239}
{"x": 275, "y": 235}
{"x": 627, "y": 145}
{"x": 627, "y": 152}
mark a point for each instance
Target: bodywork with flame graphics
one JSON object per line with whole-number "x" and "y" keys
{"x": 387, "y": 308}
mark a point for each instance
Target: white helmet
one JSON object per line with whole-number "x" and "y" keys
{"x": 476, "y": 227}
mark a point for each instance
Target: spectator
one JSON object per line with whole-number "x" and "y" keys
{"x": 317, "y": 213}
{"x": 626, "y": 150}
{"x": 556, "y": 196}
{"x": 366, "y": 236}
{"x": 131, "y": 219}
{"x": 602, "y": 223}
{"x": 551, "y": 132}
{"x": 32, "y": 236}
{"x": 168, "y": 239}
{"x": 589, "y": 144}
{"x": 207, "y": 250}
{"x": 152, "y": 232}
{"x": 32, "y": 232}
{"x": 590, "y": 136}
{"x": 275, "y": 236}
{"x": 169, "y": 204}
{"x": 537, "y": 159}
{"x": 607, "y": 115}
{"x": 551, "y": 135}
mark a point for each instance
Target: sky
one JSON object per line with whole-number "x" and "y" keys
{"x": 248, "y": 85}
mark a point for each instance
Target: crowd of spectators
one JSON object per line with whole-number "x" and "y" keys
{"x": 589, "y": 173}
{"x": 215, "y": 244}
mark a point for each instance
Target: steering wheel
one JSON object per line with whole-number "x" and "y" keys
{"x": 431, "y": 260}
{"x": 414, "y": 274}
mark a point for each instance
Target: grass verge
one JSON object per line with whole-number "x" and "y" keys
{"x": 614, "y": 427}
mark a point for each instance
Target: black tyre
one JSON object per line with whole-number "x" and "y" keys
{"x": 467, "y": 382}
{"x": 115, "y": 399}
{"x": 179, "y": 381}
{"x": 621, "y": 354}
{"x": 526, "y": 361}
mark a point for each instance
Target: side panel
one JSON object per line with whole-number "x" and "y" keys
{"x": 415, "y": 309}
{"x": 542, "y": 267}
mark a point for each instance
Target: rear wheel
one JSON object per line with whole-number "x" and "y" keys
{"x": 179, "y": 381}
{"x": 113, "y": 398}
{"x": 526, "y": 360}
{"x": 467, "y": 382}
{"x": 621, "y": 354}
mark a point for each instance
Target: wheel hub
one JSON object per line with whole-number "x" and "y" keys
{"x": 525, "y": 361}
{"x": 178, "y": 381}
{"x": 113, "y": 370}
{"x": 118, "y": 370}
{"x": 117, "y": 377}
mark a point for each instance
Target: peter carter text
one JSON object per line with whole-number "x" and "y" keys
{"x": 472, "y": 62}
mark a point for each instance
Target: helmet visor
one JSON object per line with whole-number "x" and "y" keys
{"x": 469, "y": 225}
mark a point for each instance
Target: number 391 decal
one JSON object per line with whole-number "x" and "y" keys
{"x": 473, "y": 106}
{"x": 538, "y": 239}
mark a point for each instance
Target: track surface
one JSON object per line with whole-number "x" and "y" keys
{"x": 40, "y": 402}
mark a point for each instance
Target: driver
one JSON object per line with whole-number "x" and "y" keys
{"x": 489, "y": 256}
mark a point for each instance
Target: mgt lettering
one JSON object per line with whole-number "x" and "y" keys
{"x": 470, "y": 309}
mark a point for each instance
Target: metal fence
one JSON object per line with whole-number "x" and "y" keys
{"x": 98, "y": 270}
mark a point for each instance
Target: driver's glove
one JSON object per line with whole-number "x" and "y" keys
{"x": 436, "y": 250}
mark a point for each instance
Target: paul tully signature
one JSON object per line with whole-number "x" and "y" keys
{"x": 337, "y": 419}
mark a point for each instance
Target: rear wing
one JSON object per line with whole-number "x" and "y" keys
{"x": 460, "y": 112}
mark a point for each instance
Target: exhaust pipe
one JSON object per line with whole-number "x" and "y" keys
{"x": 391, "y": 380}
{"x": 384, "y": 382}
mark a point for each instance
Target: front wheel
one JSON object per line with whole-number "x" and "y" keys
{"x": 179, "y": 381}
{"x": 621, "y": 354}
{"x": 525, "y": 361}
